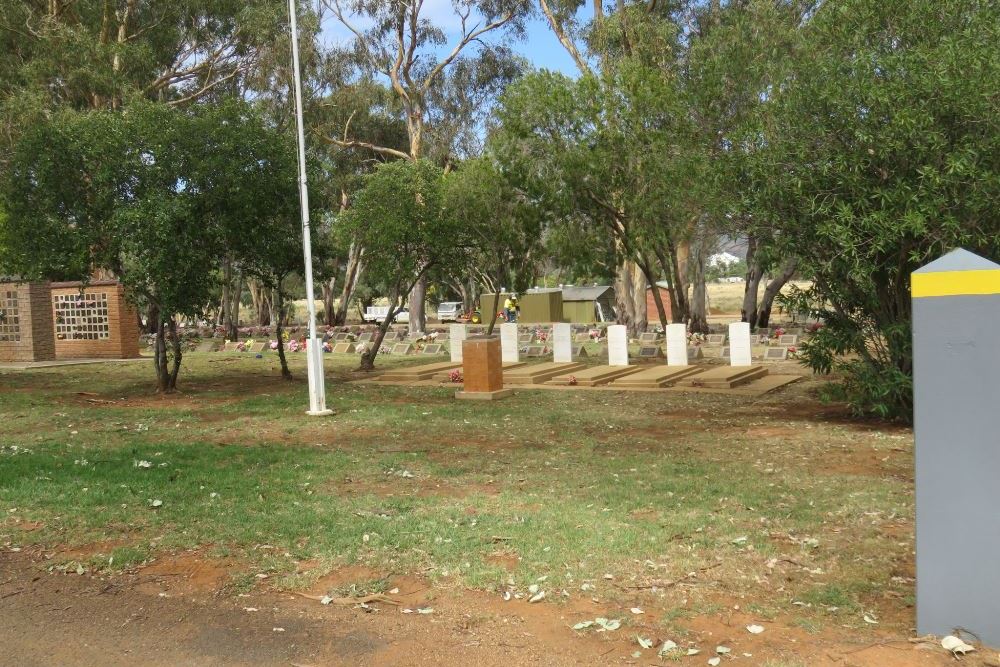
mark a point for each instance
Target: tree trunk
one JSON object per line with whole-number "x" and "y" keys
{"x": 771, "y": 291}
{"x": 260, "y": 297}
{"x": 152, "y": 319}
{"x": 178, "y": 353}
{"x": 352, "y": 275}
{"x": 418, "y": 318}
{"x": 278, "y": 328}
{"x": 748, "y": 313}
{"x": 661, "y": 312}
{"x": 368, "y": 358}
{"x": 160, "y": 357}
{"x": 699, "y": 314}
{"x": 631, "y": 310}
{"x": 327, "y": 288}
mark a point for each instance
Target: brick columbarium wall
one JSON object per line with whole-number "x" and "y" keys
{"x": 93, "y": 320}
{"x": 26, "y": 332}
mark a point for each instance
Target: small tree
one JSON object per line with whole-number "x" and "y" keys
{"x": 879, "y": 155}
{"x": 398, "y": 218}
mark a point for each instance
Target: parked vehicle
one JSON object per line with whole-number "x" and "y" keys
{"x": 402, "y": 317}
{"x": 449, "y": 311}
{"x": 377, "y": 315}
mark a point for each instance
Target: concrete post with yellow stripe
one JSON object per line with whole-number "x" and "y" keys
{"x": 956, "y": 404}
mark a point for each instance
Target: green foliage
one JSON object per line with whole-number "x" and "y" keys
{"x": 504, "y": 226}
{"x": 877, "y": 156}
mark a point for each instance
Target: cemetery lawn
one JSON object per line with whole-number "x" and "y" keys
{"x": 706, "y": 512}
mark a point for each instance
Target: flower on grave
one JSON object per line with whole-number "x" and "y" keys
{"x": 362, "y": 348}
{"x": 241, "y": 346}
{"x": 293, "y": 345}
{"x": 455, "y": 375}
{"x": 327, "y": 347}
{"x": 572, "y": 381}
{"x": 779, "y": 332}
{"x": 814, "y": 327}
{"x": 792, "y": 350}
{"x": 284, "y": 336}
{"x": 433, "y": 335}
{"x": 273, "y": 345}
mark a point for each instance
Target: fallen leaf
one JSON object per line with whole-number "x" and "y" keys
{"x": 537, "y": 597}
{"x": 643, "y": 642}
{"x": 425, "y": 610}
{"x": 755, "y": 629}
{"x": 869, "y": 619}
{"x": 637, "y": 611}
{"x": 714, "y": 661}
{"x": 722, "y": 650}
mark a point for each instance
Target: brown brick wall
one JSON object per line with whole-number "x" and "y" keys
{"x": 122, "y": 340}
{"x": 34, "y": 340}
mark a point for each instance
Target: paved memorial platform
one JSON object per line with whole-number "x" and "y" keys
{"x": 442, "y": 376}
{"x": 594, "y": 376}
{"x": 724, "y": 377}
{"x": 655, "y": 377}
{"x": 418, "y": 373}
{"x": 539, "y": 373}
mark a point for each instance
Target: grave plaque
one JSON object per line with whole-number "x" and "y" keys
{"x": 677, "y": 351}
{"x": 231, "y": 346}
{"x": 455, "y": 342}
{"x": 788, "y": 339}
{"x": 256, "y": 348}
{"x": 715, "y": 339}
{"x": 617, "y": 345}
{"x": 776, "y": 354}
{"x": 365, "y": 337}
{"x": 695, "y": 352}
{"x": 649, "y": 337}
{"x": 650, "y": 352}
{"x": 433, "y": 348}
{"x": 534, "y": 351}
{"x": 343, "y": 348}
{"x": 341, "y": 337}
{"x": 509, "y": 345}
{"x": 739, "y": 342}
{"x": 724, "y": 352}
{"x": 562, "y": 345}
{"x": 207, "y": 346}
{"x": 402, "y": 348}
{"x": 956, "y": 391}
{"x": 580, "y": 351}
{"x": 581, "y": 337}
{"x": 526, "y": 339}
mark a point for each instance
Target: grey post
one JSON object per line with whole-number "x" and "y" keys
{"x": 956, "y": 405}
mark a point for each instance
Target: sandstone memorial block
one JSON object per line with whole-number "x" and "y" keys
{"x": 482, "y": 370}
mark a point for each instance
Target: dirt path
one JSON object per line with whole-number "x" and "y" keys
{"x": 159, "y": 617}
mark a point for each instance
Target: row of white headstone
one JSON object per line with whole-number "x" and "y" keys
{"x": 562, "y": 344}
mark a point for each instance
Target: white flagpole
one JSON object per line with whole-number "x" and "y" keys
{"x": 314, "y": 350}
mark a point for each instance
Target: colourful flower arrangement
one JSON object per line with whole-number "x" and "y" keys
{"x": 779, "y": 332}
{"x": 327, "y": 347}
{"x": 572, "y": 381}
{"x": 273, "y": 345}
{"x": 361, "y": 348}
{"x": 455, "y": 376}
{"x": 293, "y": 345}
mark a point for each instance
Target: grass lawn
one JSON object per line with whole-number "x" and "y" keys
{"x": 696, "y": 502}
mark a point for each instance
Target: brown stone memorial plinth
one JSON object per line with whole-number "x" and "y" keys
{"x": 482, "y": 370}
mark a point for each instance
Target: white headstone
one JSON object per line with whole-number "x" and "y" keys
{"x": 508, "y": 342}
{"x": 562, "y": 343}
{"x": 677, "y": 350}
{"x": 739, "y": 344}
{"x": 456, "y": 337}
{"x": 617, "y": 345}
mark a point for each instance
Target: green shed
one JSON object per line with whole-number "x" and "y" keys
{"x": 587, "y": 305}
{"x": 537, "y": 306}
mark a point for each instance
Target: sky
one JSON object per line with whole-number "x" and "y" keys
{"x": 540, "y": 47}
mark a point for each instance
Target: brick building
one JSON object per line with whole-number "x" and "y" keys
{"x": 68, "y": 320}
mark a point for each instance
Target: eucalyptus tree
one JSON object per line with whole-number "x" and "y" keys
{"x": 432, "y": 77}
